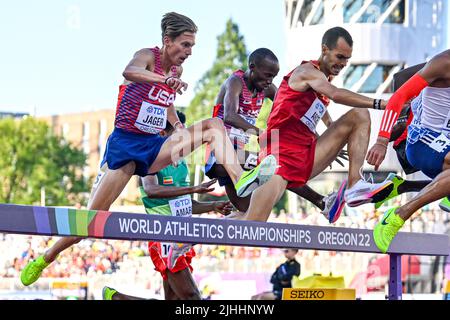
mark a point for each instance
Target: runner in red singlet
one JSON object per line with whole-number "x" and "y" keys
{"x": 291, "y": 134}
{"x": 238, "y": 104}
{"x": 145, "y": 104}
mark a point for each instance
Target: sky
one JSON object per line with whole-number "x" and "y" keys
{"x": 67, "y": 56}
{"x": 61, "y": 56}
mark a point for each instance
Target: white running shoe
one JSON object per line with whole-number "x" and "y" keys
{"x": 334, "y": 203}
{"x": 364, "y": 192}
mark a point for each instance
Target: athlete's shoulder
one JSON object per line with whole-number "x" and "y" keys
{"x": 437, "y": 68}
{"x": 233, "y": 82}
{"x": 305, "y": 71}
{"x": 441, "y": 59}
{"x": 145, "y": 52}
{"x": 144, "y": 55}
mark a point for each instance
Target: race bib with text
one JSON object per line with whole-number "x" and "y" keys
{"x": 181, "y": 207}
{"x": 313, "y": 115}
{"x": 151, "y": 118}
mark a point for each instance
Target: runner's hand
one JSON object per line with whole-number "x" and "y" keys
{"x": 376, "y": 154}
{"x": 205, "y": 187}
{"x": 176, "y": 84}
{"x": 223, "y": 207}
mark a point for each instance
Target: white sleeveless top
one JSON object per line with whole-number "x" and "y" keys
{"x": 436, "y": 109}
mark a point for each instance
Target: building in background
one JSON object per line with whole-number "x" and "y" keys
{"x": 15, "y": 115}
{"x": 388, "y": 35}
{"x": 89, "y": 131}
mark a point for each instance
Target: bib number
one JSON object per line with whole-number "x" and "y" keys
{"x": 313, "y": 115}
{"x": 100, "y": 176}
{"x": 440, "y": 143}
{"x": 239, "y": 134}
{"x": 165, "y": 249}
{"x": 181, "y": 207}
{"x": 151, "y": 118}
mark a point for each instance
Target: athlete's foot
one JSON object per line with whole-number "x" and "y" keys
{"x": 386, "y": 229}
{"x": 364, "y": 192}
{"x": 235, "y": 215}
{"x": 397, "y": 181}
{"x": 334, "y": 203}
{"x": 33, "y": 270}
{"x": 445, "y": 204}
{"x": 250, "y": 180}
{"x": 176, "y": 251}
{"x": 107, "y": 293}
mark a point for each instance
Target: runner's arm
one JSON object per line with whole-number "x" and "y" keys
{"x": 319, "y": 83}
{"x": 233, "y": 88}
{"x": 436, "y": 68}
{"x": 139, "y": 68}
{"x": 154, "y": 190}
{"x": 223, "y": 207}
{"x": 404, "y": 75}
{"x": 173, "y": 119}
{"x": 432, "y": 71}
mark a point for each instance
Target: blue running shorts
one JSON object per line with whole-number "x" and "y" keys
{"x": 124, "y": 146}
{"x": 426, "y": 150}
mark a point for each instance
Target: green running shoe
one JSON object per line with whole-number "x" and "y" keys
{"x": 386, "y": 229}
{"x": 107, "y": 293}
{"x": 33, "y": 270}
{"x": 250, "y": 180}
{"x": 397, "y": 181}
{"x": 445, "y": 204}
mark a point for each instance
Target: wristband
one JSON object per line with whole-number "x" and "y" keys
{"x": 377, "y": 104}
{"x": 167, "y": 79}
{"x": 178, "y": 122}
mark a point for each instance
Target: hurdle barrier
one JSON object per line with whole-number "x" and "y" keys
{"x": 35, "y": 220}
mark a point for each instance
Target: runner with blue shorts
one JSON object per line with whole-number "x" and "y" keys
{"x": 428, "y": 144}
{"x": 145, "y": 104}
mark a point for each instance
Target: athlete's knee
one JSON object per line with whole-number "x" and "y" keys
{"x": 360, "y": 115}
{"x": 442, "y": 181}
{"x": 214, "y": 123}
{"x": 212, "y": 129}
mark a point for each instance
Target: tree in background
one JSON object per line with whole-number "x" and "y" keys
{"x": 231, "y": 55}
{"x": 32, "y": 157}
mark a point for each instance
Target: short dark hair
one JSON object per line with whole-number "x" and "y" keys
{"x": 331, "y": 36}
{"x": 173, "y": 24}
{"x": 182, "y": 118}
{"x": 260, "y": 54}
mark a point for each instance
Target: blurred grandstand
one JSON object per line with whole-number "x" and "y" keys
{"x": 81, "y": 271}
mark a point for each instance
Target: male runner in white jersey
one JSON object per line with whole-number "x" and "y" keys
{"x": 428, "y": 143}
